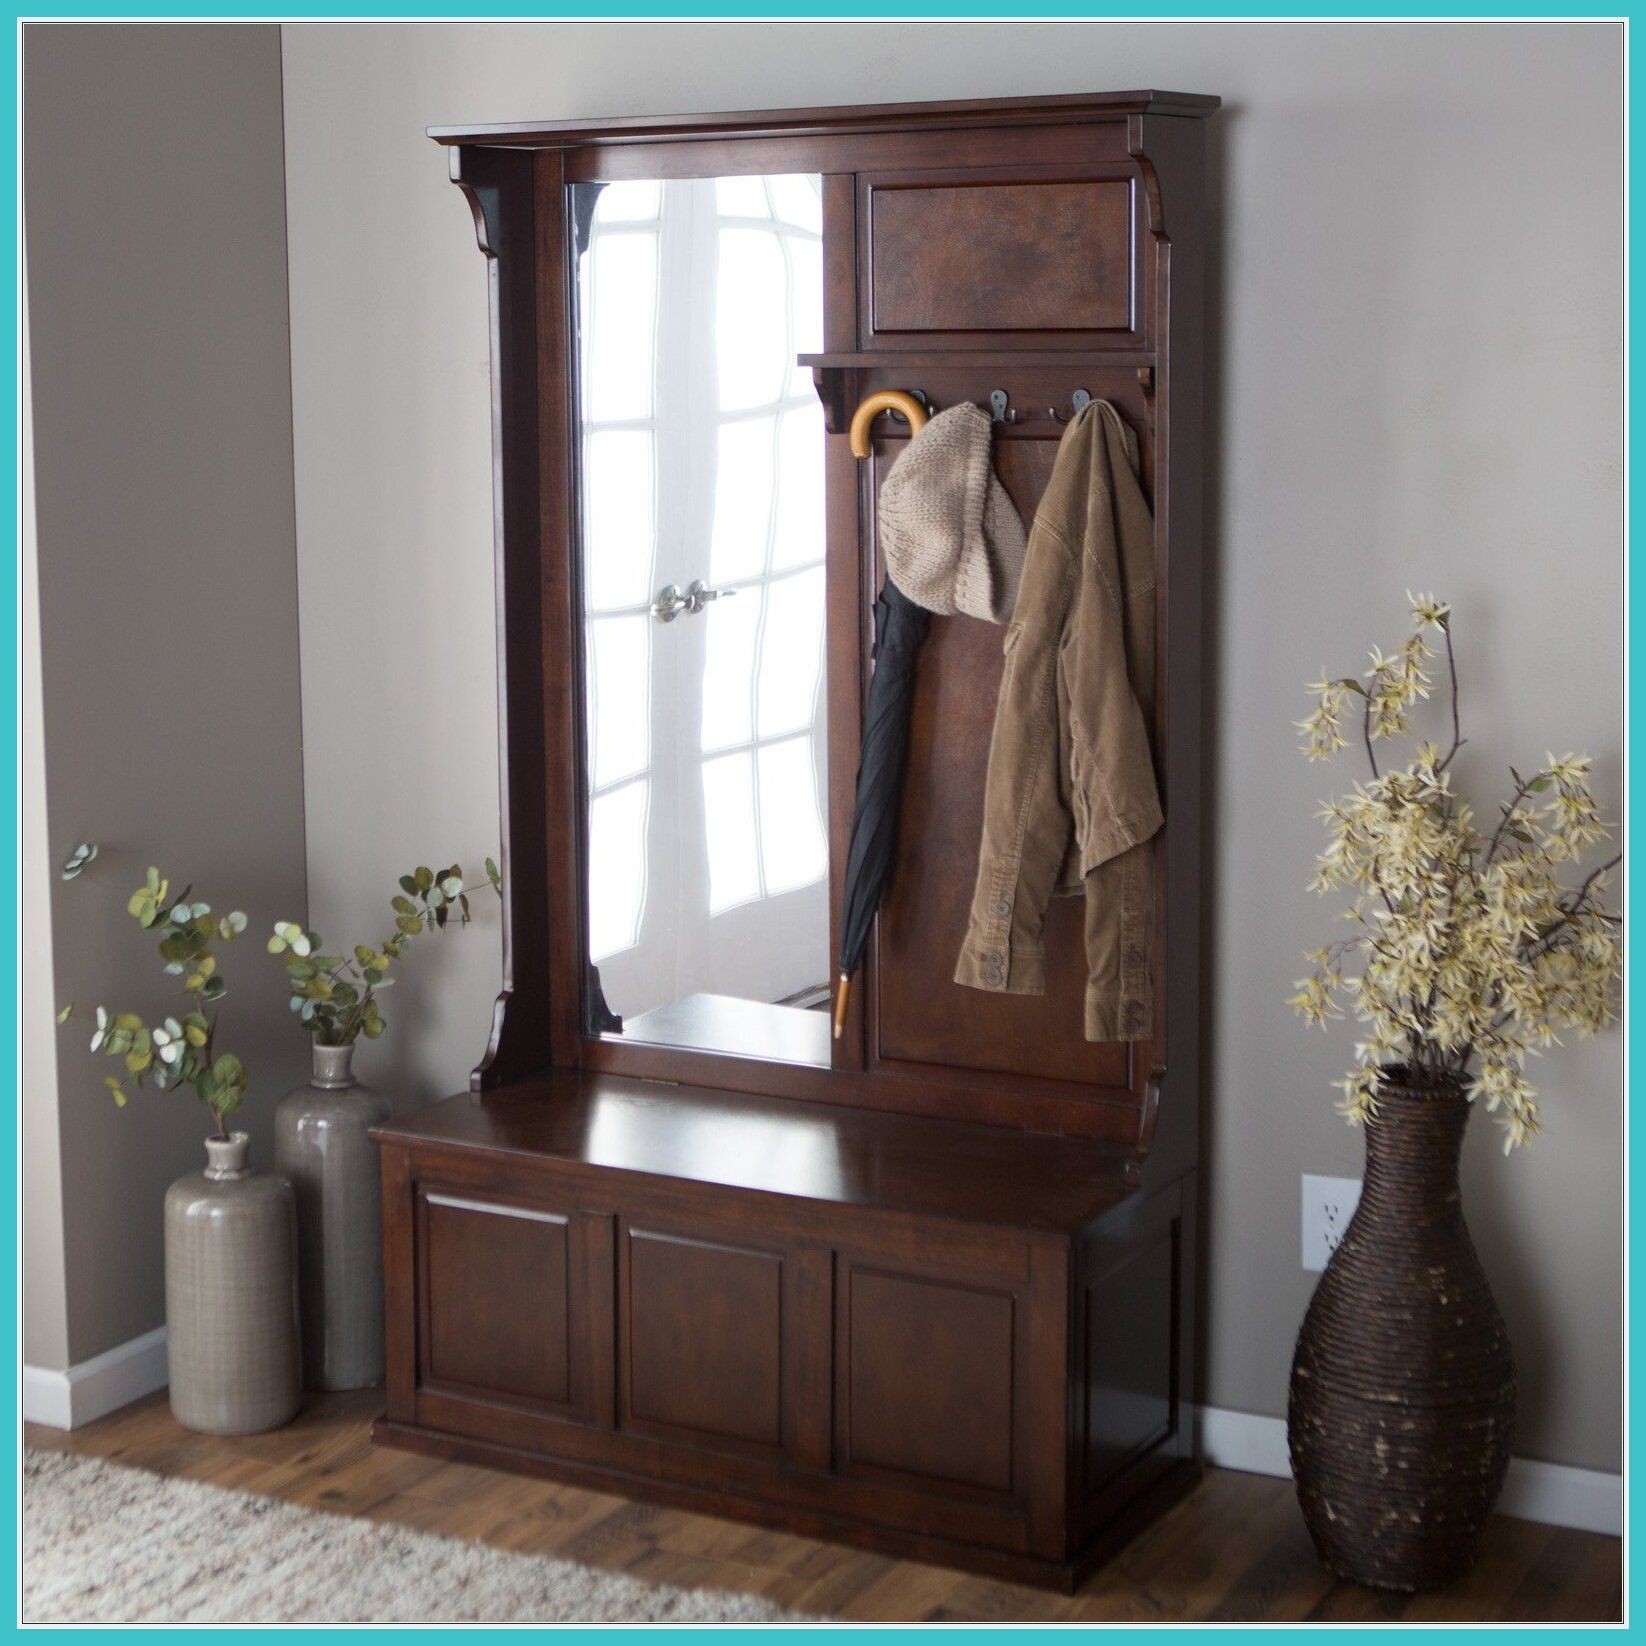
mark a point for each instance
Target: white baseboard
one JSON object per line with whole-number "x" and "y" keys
{"x": 1553, "y": 1493}
{"x": 96, "y": 1387}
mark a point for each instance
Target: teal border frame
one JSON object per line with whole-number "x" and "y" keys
{"x": 907, "y": 10}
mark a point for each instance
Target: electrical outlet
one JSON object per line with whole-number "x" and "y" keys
{"x": 1328, "y": 1204}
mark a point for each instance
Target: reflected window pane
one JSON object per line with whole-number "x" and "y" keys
{"x": 791, "y": 654}
{"x": 621, "y": 322}
{"x": 728, "y": 670}
{"x": 751, "y": 318}
{"x": 805, "y": 311}
{"x": 798, "y": 538}
{"x": 619, "y": 697}
{"x": 629, "y": 202}
{"x": 742, "y": 500}
{"x": 798, "y": 199}
{"x": 792, "y": 845}
{"x": 617, "y": 868}
{"x": 741, "y": 197}
{"x": 728, "y": 816}
{"x": 619, "y": 526}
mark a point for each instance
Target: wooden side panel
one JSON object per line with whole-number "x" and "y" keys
{"x": 471, "y": 1246}
{"x": 1126, "y": 1390}
{"x": 1032, "y": 256}
{"x": 1126, "y": 1355}
{"x": 704, "y": 1329}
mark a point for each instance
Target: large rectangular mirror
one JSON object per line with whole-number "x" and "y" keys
{"x": 701, "y": 508}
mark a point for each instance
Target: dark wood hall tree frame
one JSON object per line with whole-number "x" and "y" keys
{"x": 937, "y": 1297}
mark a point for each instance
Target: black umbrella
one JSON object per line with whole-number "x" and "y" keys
{"x": 899, "y": 628}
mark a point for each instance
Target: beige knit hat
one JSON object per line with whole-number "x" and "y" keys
{"x": 953, "y": 539}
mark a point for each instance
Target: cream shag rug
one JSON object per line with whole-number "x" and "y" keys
{"x": 106, "y": 1544}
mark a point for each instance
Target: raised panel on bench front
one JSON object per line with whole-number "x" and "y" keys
{"x": 704, "y": 1332}
{"x": 928, "y": 1379}
{"x": 469, "y": 1341}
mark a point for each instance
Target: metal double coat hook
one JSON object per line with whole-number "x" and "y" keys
{"x": 1002, "y": 411}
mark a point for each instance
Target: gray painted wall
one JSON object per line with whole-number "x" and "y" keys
{"x": 45, "y": 1297}
{"x": 1416, "y": 382}
{"x": 155, "y": 218}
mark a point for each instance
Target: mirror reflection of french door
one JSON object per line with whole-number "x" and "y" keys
{"x": 702, "y": 502}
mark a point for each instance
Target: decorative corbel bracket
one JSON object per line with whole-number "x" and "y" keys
{"x": 480, "y": 192}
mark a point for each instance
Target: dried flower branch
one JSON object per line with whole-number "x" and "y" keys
{"x": 1472, "y": 952}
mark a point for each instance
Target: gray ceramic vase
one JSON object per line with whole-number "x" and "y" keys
{"x": 231, "y": 1295}
{"x": 322, "y": 1145}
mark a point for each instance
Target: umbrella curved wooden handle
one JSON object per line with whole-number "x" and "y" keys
{"x": 905, "y": 405}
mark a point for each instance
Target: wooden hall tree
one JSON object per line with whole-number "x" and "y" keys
{"x": 929, "y": 1287}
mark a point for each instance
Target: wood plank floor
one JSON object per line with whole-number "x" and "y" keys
{"x": 1235, "y": 1549}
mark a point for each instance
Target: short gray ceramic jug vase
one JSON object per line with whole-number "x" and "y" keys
{"x": 231, "y": 1295}
{"x": 322, "y": 1143}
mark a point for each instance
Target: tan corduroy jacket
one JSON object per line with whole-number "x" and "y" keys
{"x": 1071, "y": 800}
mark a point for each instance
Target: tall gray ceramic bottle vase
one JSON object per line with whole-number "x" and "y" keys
{"x": 322, "y": 1144}
{"x": 231, "y": 1295}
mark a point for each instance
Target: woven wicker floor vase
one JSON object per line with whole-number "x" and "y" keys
{"x": 1402, "y": 1406}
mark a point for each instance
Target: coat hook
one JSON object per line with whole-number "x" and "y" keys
{"x": 998, "y": 405}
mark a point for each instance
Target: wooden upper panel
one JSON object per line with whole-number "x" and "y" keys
{"x": 554, "y": 134}
{"x": 1015, "y": 256}
{"x": 811, "y": 1151}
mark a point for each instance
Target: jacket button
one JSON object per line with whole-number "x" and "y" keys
{"x": 1134, "y": 1012}
{"x": 1002, "y": 908}
{"x": 1134, "y": 957}
{"x": 993, "y": 975}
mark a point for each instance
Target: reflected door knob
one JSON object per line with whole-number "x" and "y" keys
{"x": 671, "y": 602}
{"x": 697, "y": 597}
